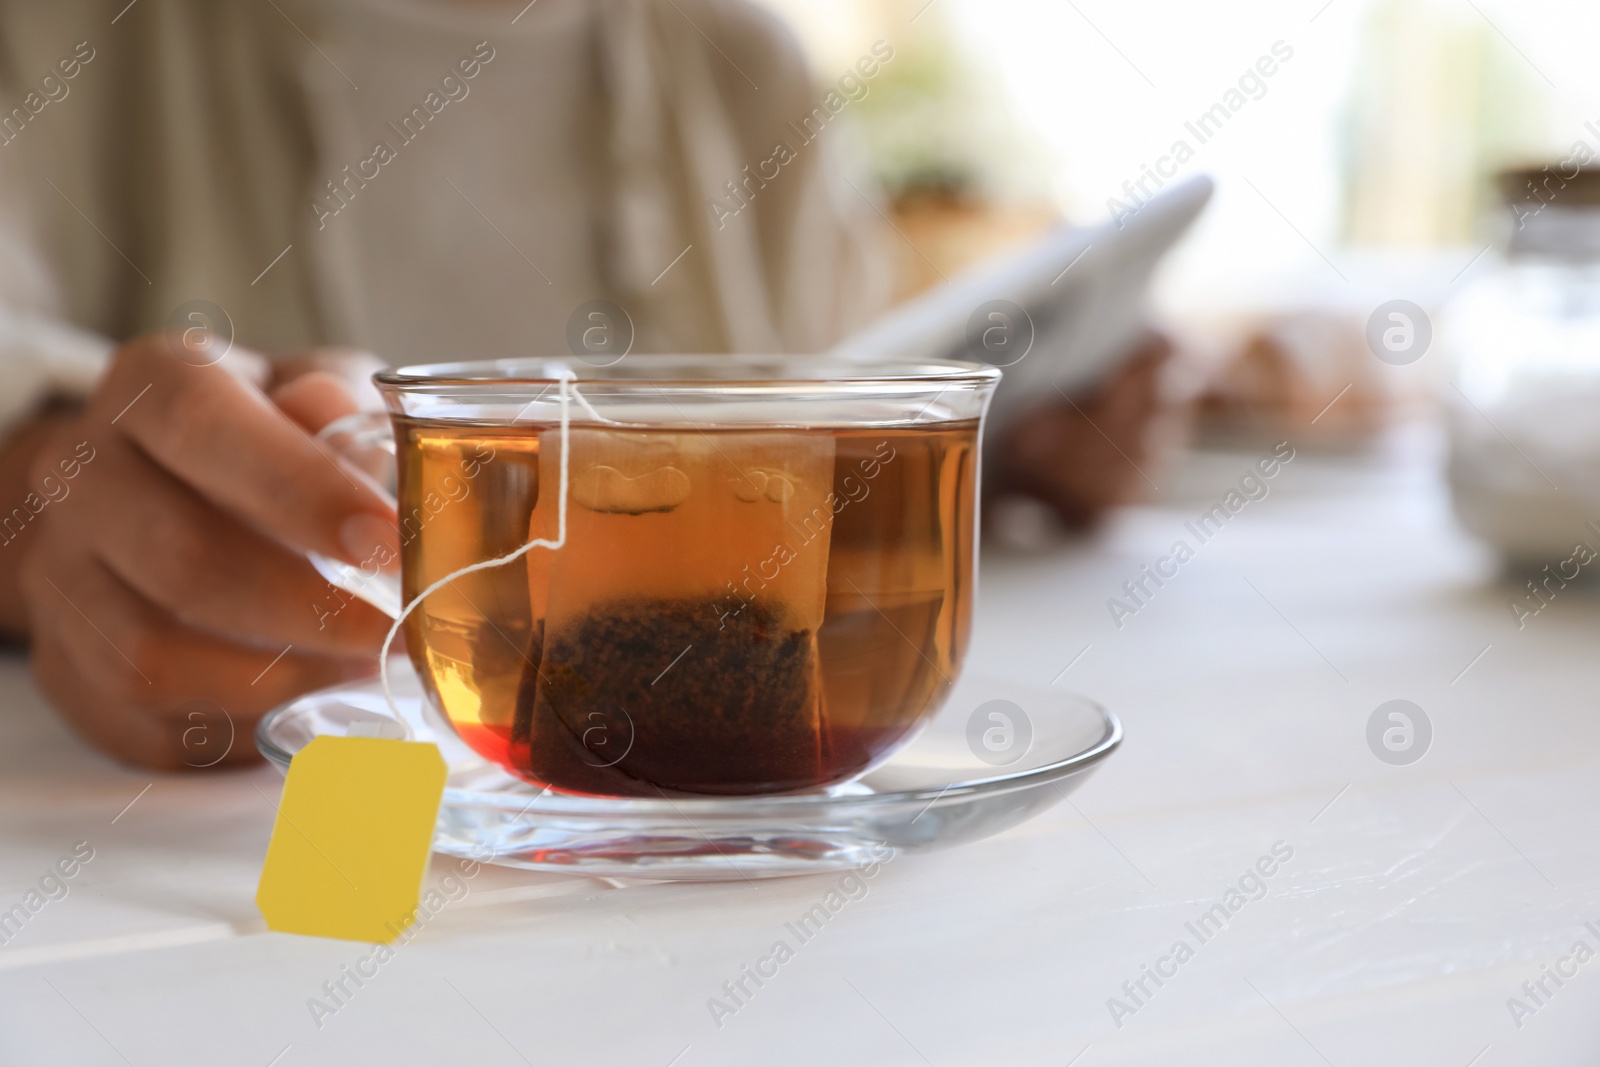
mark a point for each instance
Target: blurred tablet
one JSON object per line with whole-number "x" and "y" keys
{"x": 1056, "y": 314}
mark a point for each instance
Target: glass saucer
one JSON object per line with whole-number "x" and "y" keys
{"x": 933, "y": 793}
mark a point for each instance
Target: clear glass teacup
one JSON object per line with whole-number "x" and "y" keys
{"x": 747, "y": 574}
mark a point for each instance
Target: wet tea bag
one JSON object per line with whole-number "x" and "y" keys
{"x": 679, "y": 620}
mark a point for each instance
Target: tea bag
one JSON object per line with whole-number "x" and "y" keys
{"x": 679, "y": 620}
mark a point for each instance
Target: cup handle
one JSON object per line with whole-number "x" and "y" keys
{"x": 365, "y": 441}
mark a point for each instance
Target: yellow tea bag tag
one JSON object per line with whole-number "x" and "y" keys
{"x": 352, "y": 838}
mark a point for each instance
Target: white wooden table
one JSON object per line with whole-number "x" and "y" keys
{"x": 1418, "y": 898}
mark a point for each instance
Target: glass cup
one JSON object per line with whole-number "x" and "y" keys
{"x": 748, "y": 574}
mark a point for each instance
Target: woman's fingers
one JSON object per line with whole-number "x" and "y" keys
{"x": 128, "y": 676}
{"x": 225, "y": 439}
{"x": 209, "y": 570}
{"x": 169, "y": 600}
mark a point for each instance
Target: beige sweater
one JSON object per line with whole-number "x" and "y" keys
{"x": 424, "y": 178}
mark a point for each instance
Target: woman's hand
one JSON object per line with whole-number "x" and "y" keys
{"x": 1085, "y": 455}
{"x": 166, "y": 573}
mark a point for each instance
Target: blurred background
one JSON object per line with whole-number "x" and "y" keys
{"x": 1379, "y": 136}
{"x": 1362, "y": 171}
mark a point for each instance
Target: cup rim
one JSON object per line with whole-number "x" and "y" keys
{"x": 824, "y": 371}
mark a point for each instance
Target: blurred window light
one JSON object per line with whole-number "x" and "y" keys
{"x": 1379, "y": 132}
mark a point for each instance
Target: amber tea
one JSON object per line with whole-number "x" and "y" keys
{"x": 733, "y": 611}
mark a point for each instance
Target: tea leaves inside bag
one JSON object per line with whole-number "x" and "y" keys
{"x": 675, "y": 639}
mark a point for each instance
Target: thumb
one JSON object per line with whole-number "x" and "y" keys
{"x": 315, "y": 399}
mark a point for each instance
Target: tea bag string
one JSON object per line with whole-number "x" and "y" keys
{"x": 565, "y": 377}
{"x": 583, "y": 402}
